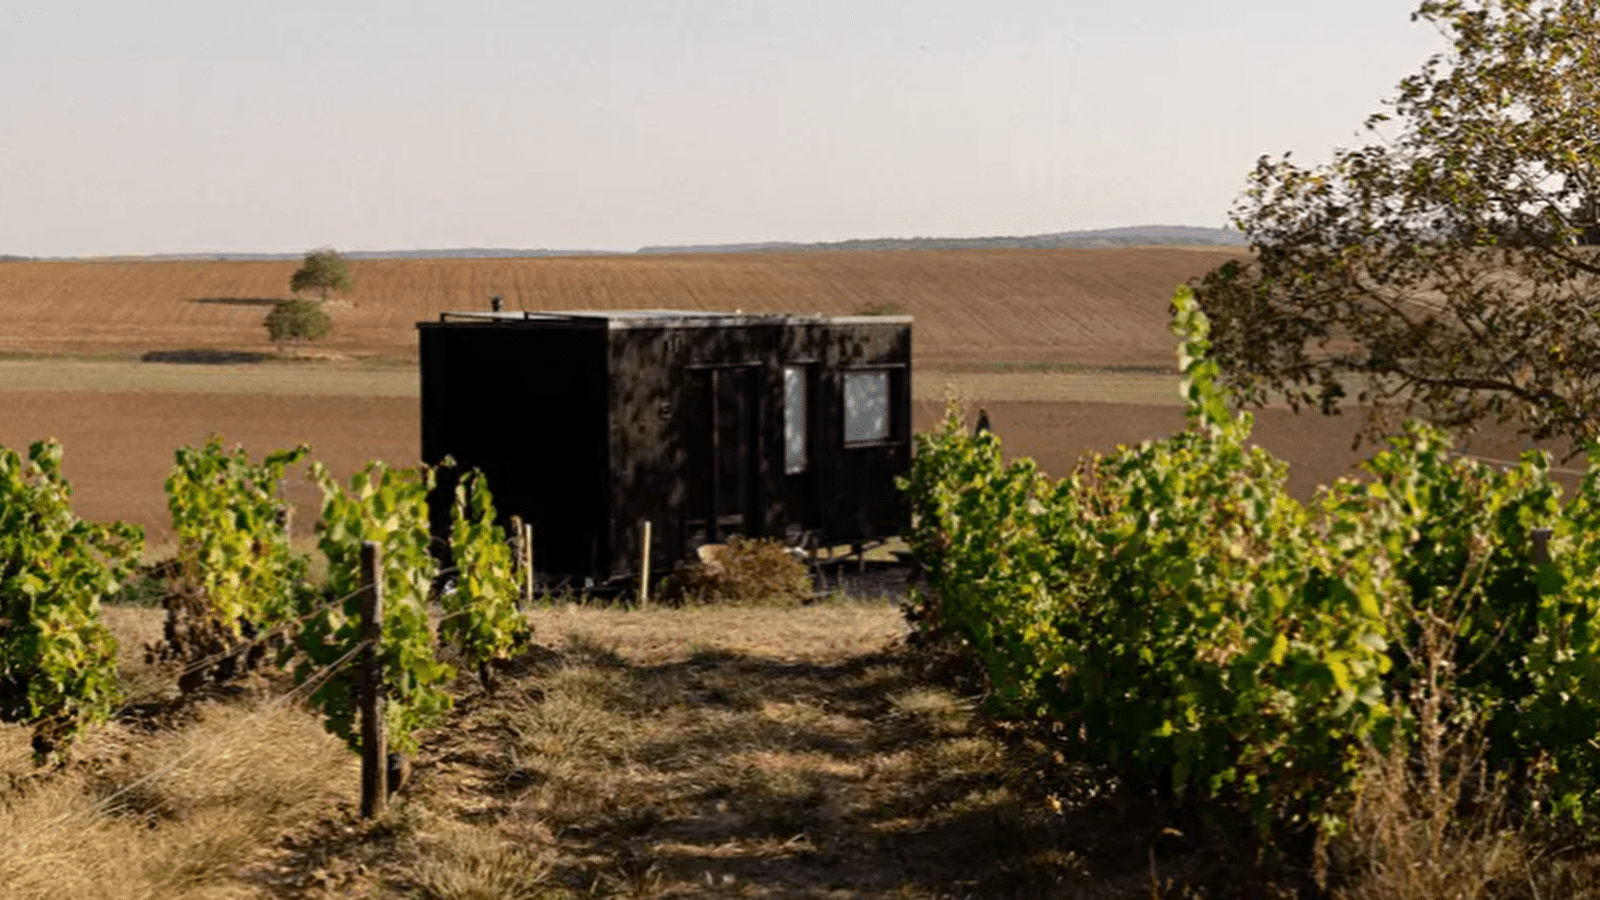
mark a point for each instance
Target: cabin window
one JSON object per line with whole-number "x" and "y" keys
{"x": 794, "y": 420}
{"x": 866, "y": 407}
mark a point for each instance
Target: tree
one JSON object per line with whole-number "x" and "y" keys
{"x": 292, "y": 321}
{"x": 323, "y": 270}
{"x": 1449, "y": 266}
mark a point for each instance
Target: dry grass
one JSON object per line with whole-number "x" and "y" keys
{"x": 1433, "y": 828}
{"x": 714, "y": 751}
{"x": 166, "y": 801}
{"x": 135, "y": 629}
{"x": 1432, "y": 821}
{"x": 175, "y": 815}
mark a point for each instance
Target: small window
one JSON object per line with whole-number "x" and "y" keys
{"x": 794, "y": 420}
{"x": 866, "y": 407}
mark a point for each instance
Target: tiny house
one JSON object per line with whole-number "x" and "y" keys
{"x": 705, "y": 424}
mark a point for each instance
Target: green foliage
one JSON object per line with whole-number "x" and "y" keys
{"x": 1555, "y": 691}
{"x": 230, "y": 523}
{"x": 324, "y": 270}
{"x": 1448, "y": 266}
{"x": 1171, "y": 601}
{"x": 480, "y": 616}
{"x": 57, "y": 660}
{"x": 234, "y": 571}
{"x": 293, "y": 321}
{"x": 1197, "y": 629}
{"x": 389, "y": 507}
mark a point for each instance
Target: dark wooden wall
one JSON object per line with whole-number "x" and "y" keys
{"x": 586, "y": 430}
{"x": 846, "y": 493}
{"x": 527, "y": 406}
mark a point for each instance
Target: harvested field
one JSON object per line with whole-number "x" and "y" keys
{"x": 118, "y": 447}
{"x": 1097, "y": 307}
{"x": 1068, "y": 349}
{"x": 119, "y": 444}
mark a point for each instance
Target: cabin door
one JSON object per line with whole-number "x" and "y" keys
{"x": 724, "y": 461}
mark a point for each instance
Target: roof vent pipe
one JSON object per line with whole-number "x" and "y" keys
{"x": 494, "y": 303}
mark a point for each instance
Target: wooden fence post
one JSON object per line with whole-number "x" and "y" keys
{"x": 374, "y": 740}
{"x": 644, "y": 563}
{"x": 517, "y": 549}
{"x": 527, "y": 562}
{"x": 1541, "y": 545}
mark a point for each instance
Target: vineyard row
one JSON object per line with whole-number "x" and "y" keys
{"x": 238, "y": 595}
{"x": 1179, "y": 619}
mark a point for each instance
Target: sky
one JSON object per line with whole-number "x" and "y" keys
{"x": 181, "y": 126}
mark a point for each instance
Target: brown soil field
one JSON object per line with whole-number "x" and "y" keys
{"x": 1090, "y": 307}
{"x": 118, "y": 446}
{"x": 979, "y": 313}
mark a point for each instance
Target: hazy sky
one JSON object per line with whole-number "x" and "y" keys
{"x": 186, "y": 126}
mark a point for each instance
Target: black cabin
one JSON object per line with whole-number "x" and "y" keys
{"x": 705, "y": 424}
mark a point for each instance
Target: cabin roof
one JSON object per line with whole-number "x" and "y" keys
{"x": 616, "y": 319}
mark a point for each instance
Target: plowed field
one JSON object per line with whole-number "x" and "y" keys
{"x": 978, "y": 314}
{"x": 1094, "y": 307}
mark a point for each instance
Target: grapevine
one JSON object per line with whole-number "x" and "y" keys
{"x": 236, "y": 572}
{"x": 480, "y": 613}
{"x": 389, "y": 507}
{"x": 57, "y": 660}
{"x": 1202, "y": 632}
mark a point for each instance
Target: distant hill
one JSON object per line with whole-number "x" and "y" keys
{"x": 469, "y": 253}
{"x": 1135, "y": 236}
{"x": 449, "y": 253}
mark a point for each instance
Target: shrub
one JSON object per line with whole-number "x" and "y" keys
{"x": 481, "y": 619}
{"x": 389, "y": 507}
{"x": 234, "y": 573}
{"x": 293, "y": 321}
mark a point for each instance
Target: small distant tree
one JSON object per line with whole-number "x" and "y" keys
{"x": 293, "y": 321}
{"x": 323, "y": 270}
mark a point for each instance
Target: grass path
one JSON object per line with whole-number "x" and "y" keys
{"x": 730, "y": 751}
{"x": 740, "y": 752}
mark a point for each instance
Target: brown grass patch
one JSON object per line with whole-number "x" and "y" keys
{"x": 174, "y": 815}
{"x": 171, "y": 802}
{"x": 716, "y": 751}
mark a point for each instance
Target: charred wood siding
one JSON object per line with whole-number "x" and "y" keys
{"x": 588, "y": 423}
{"x": 528, "y": 408}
